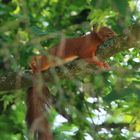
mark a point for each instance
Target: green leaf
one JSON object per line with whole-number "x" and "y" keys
{"x": 121, "y": 6}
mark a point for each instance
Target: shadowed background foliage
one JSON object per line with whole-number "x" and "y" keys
{"x": 91, "y": 104}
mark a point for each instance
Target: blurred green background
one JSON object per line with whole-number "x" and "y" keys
{"x": 101, "y": 105}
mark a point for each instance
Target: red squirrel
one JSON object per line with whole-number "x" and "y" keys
{"x": 69, "y": 49}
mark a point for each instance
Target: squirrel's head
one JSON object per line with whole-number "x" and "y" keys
{"x": 105, "y": 33}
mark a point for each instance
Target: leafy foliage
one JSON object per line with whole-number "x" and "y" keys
{"x": 99, "y": 105}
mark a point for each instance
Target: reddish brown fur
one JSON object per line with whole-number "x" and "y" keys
{"x": 36, "y": 119}
{"x": 83, "y": 47}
